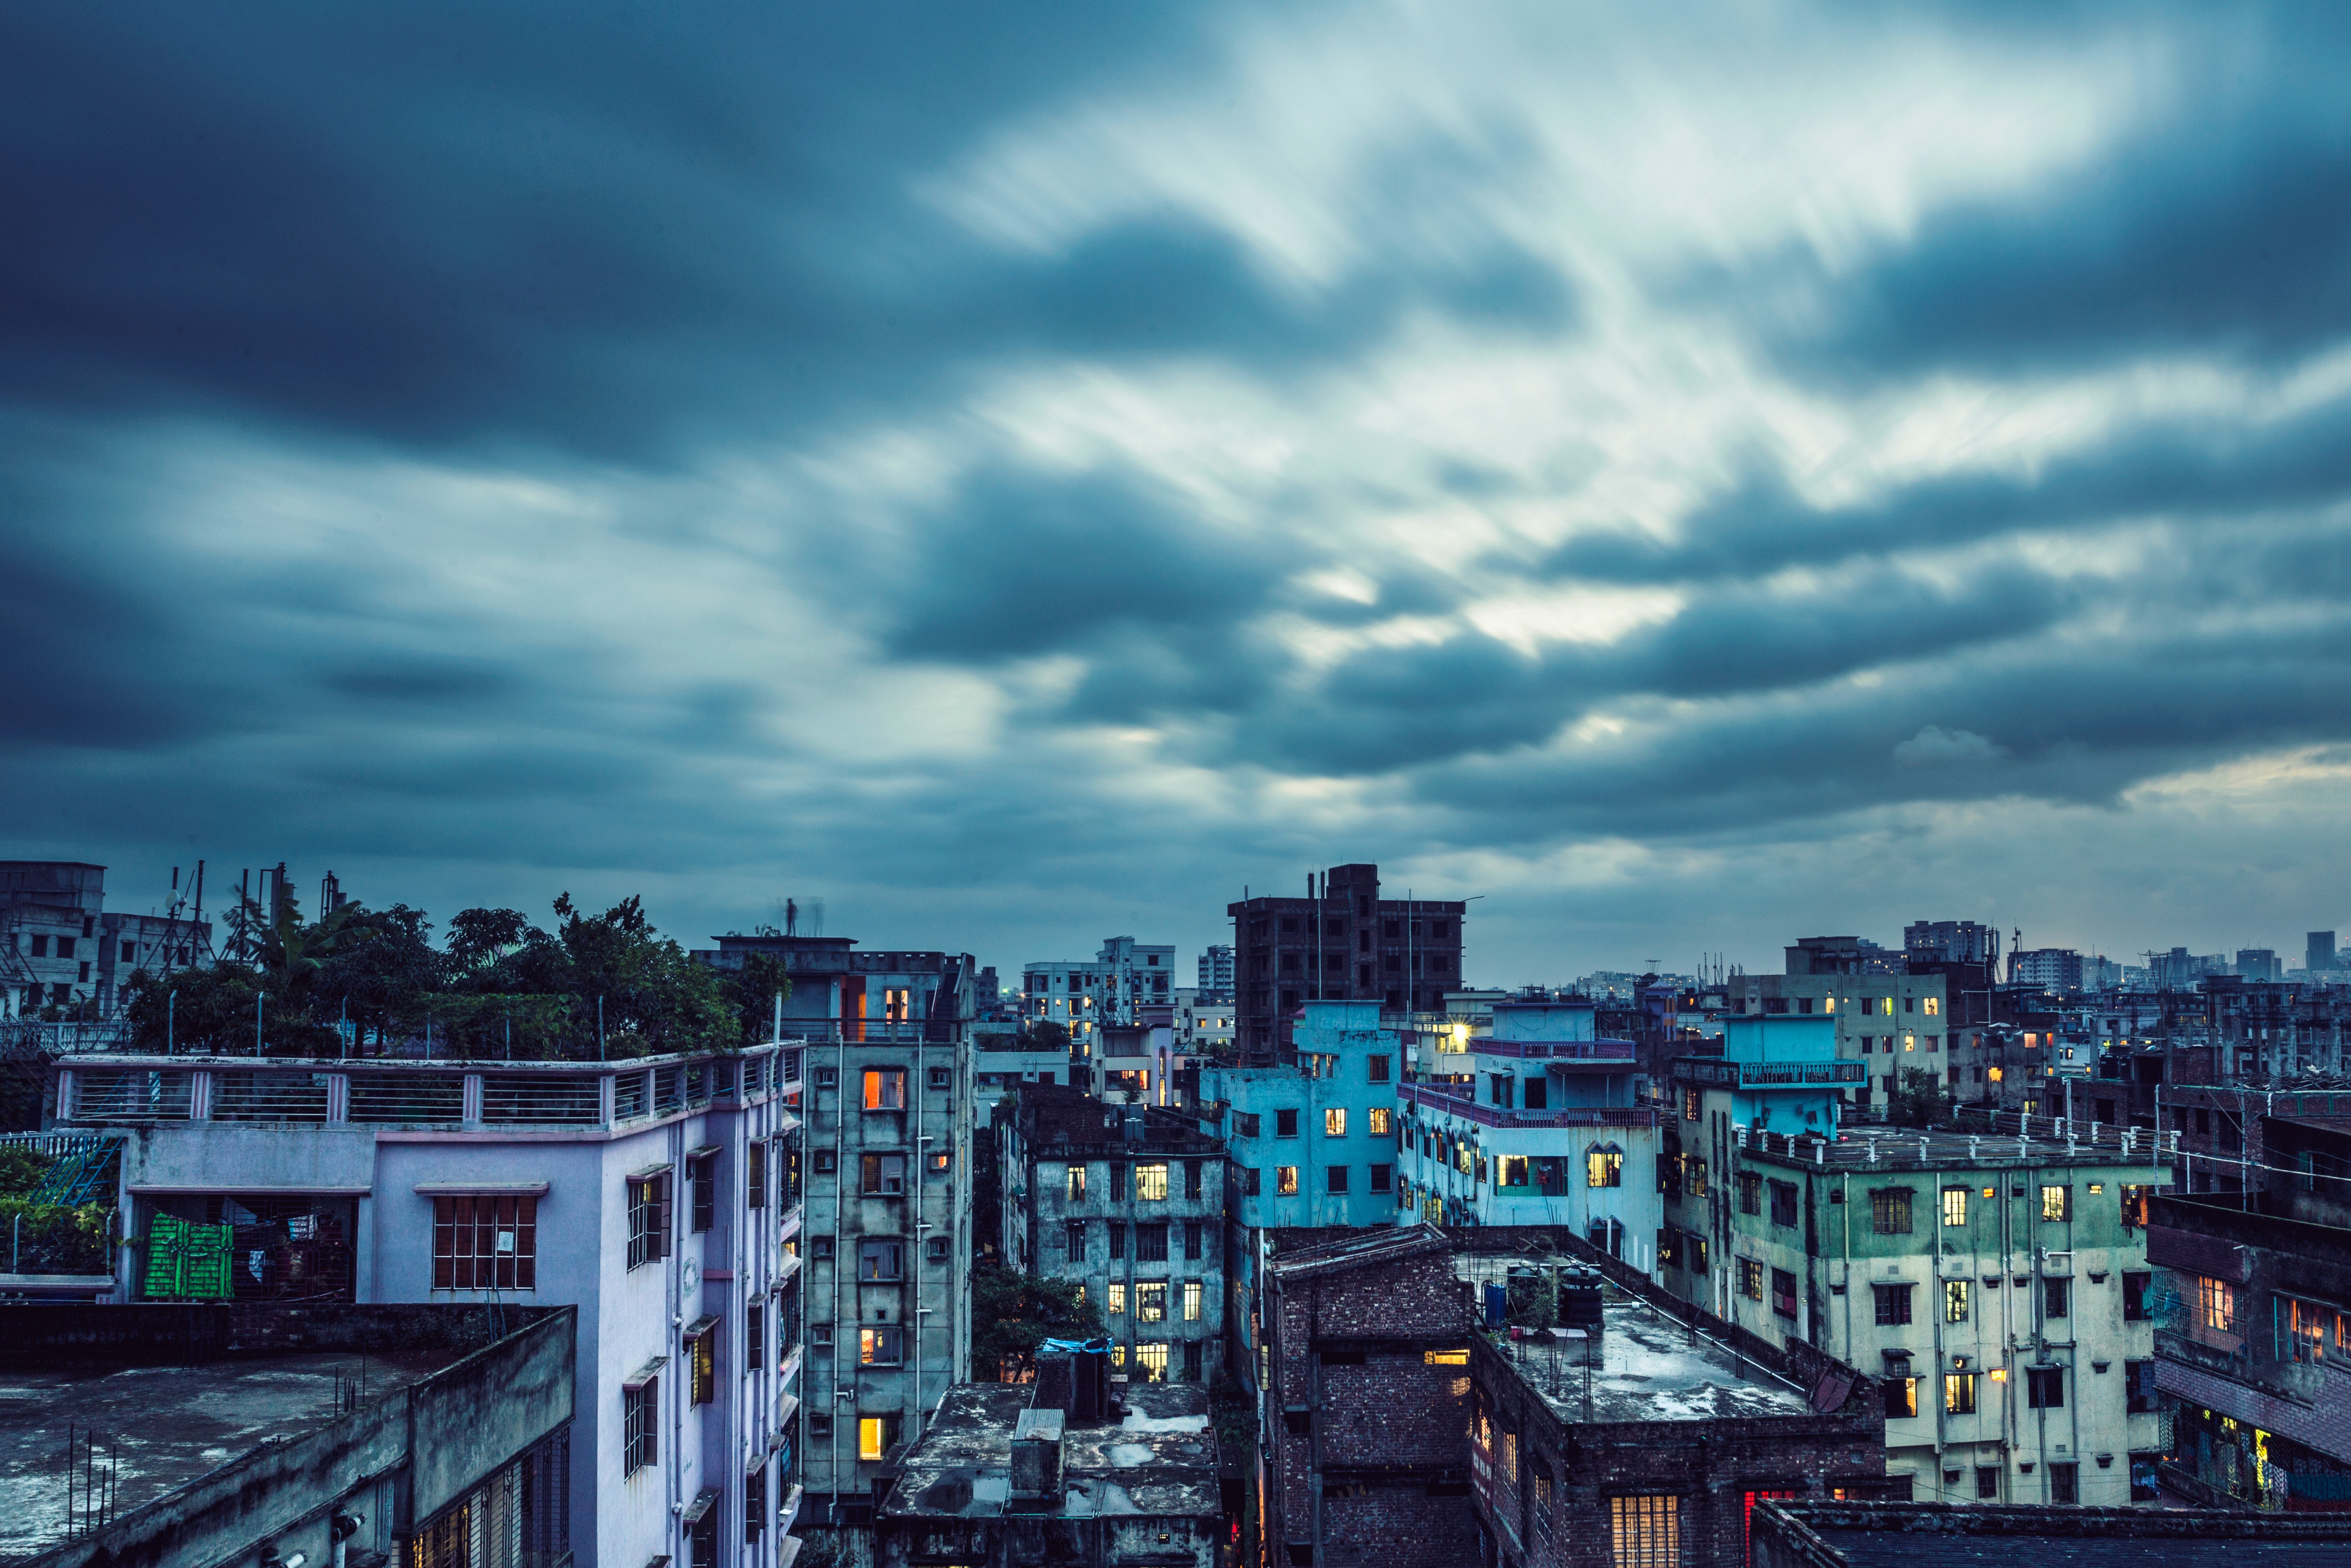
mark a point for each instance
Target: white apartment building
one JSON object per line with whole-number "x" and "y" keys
{"x": 1216, "y": 968}
{"x": 1126, "y": 976}
{"x": 659, "y": 1196}
{"x": 1203, "y": 1021}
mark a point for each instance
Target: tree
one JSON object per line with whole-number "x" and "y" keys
{"x": 1012, "y": 1313}
{"x": 1920, "y": 1102}
{"x": 1046, "y": 1035}
{"x": 754, "y": 989}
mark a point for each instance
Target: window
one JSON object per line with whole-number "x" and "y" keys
{"x": 1382, "y": 1177}
{"x": 1955, "y": 1301}
{"x": 1510, "y": 1170}
{"x": 2135, "y": 1287}
{"x": 1334, "y": 1122}
{"x": 2056, "y": 1295}
{"x": 1150, "y": 1184}
{"x": 755, "y": 1336}
{"x": 1193, "y": 1359}
{"x": 882, "y": 1344}
{"x": 1245, "y": 1123}
{"x": 2302, "y": 1330}
{"x": 1073, "y": 1238}
{"x": 884, "y": 1175}
{"x": 1285, "y": 1123}
{"x": 2056, "y": 1203}
{"x": 1644, "y": 1533}
{"x": 880, "y": 1263}
{"x": 1955, "y": 1206}
{"x": 485, "y": 1243}
{"x": 1118, "y": 1181}
{"x": 1377, "y": 1121}
{"x": 755, "y": 1176}
{"x": 824, "y": 1164}
{"x": 2138, "y": 1385}
{"x": 1117, "y": 1229}
{"x": 1337, "y": 1177}
{"x": 1116, "y": 1302}
{"x": 1150, "y": 1244}
{"x": 2216, "y": 1305}
{"x": 1889, "y": 1210}
{"x": 820, "y": 1247}
{"x": 1192, "y": 1233}
{"x": 1151, "y": 1356}
{"x": 1933, "y": 1005}
{"x": 1192, "y": 1294}
{"x": 1077, "y": 1184}
{"x": 885, "y": 1088}
{"x": 755, "y": 1503}
{"x": 1783, "y": 1293}
{"x": 828, "y": 1078}
{"x": 640, "y": 1417}
{"x": 1251, "y": 1177}
{"x": 1603, "y": 1166}
{"x": 701, "y": 1179}
{"x": 1901, "y": 1398}
{"x": 1987, "y": 1483}
{"x": 1958, "y": 1393}
{"x": 1751, "y": 1192}
{"x": 875, "y": 1436}
{"x": 1750, "y": 1279}
{"x": 2045, "y": 1388}
{"x": 2065, "y": 1483}
{"x": 1285, "y": 1180}
{"x": 648, "y": 1218}
{"x": 1783, "y": 1203}
{"x": 935, "y": 1248}
{"x": 1195, "y": 1180}
{"x": 1893, "y": 1304}
{"x": 939, "y": 1164}
{"x": 1379, "y": 1066}
{"x": 1151, "y": 1301}
{"x": 702, "y": 1363}
{"x": 942, "y": 1078}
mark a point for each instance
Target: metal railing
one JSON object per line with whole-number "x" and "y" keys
{"x": 407, "y": 1098}
{"x": 1435, "y": 1097}
{"x": 260, "y": 1096}
{"x": 1729, "y": 1074}
{"x": 131, "y": 1094}
{"x": 540, "y": 1100}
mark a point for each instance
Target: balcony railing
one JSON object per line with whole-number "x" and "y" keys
{"x": 878, "y": 1031}
{"x": 1440, "y": 1098}
{"x": 1725, "y": 1074}
{"x": 112, "y": 1088}
{"x": 1609, "y": 1051}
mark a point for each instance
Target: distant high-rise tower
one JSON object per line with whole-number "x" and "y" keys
{"x": 1342, "y": 942}
{"x": 1216, "y": 969}
{"x": 2320, "y": 953}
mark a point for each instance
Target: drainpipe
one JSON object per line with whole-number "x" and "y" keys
{"x": 915, "y": 1221}
{"x": 839, "y": 1179}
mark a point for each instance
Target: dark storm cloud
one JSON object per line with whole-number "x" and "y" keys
{"x": 613, "y": 256}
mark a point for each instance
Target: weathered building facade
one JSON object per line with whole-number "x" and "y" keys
{"x": 1127, "y": 1202}
{"x": 1342, "y": 942}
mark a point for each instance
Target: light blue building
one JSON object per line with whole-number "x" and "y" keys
{"x": 1550, "y": 1127}
{"x": 1777, "y": 1073}
{"x": 1312, "y": 1144}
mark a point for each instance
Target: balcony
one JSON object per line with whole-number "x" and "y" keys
{"x": 1725, "y": 1073}
{"x": 520, "y": 1097}
{"x": 1442, "y": 1098}
{"x": 1598, "y": 1052}
{"x": 940, "y": 1031}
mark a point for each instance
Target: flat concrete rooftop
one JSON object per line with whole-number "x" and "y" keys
{"x": 1160, "y": 1462}
{"x": 159, "y": 1427}
{"x": 1645, "y": 1366}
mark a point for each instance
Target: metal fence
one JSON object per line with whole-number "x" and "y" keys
{"x": 407, "y": 1097}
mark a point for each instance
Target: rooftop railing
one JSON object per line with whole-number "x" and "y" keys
{"x": 1456, "y": 1101}
{"x": 1612, "y": 1052}
{"x": 110, "y": 1088}
{"x": 1727, "y": 1074}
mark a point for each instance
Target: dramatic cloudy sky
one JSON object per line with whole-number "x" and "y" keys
{"x": 1691, "y": 476}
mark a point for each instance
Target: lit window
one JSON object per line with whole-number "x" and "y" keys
{"x": 1191, "y": 1300}
{"x": 872, "y": 1438}
{"x": 2216, "y": 1304}
{"x": 1285, "y": 1180}
{"x": 2056, "y": 1202}
{"x": 885, "y": 1088}
{"x": 880, "y": 1345}
{"x": 1077, "y": 1184}
{"x": 1645, "y": 1531}
{"x": 1151, "y": 1183}
{"x": 1934, "y": 1007}
{"x": 1379, "y": 1124}
{"x": 1603, "y": 1166}
{"x": 1334, "y": 1122}
{"x": 1117, "y": 1302}
{"x": 1151, "y": 1302}
{"x": 1955, "y": 1206}
{"x": 1151, "y": 1357}
{"x": 1959, "y": 1394}
{"x": 1955, "y": 1302}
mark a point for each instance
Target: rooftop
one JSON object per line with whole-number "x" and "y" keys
{"x": 1889, "y": 1535}
{"x": 1644, "y": 1367}
{"x": 1160, "y": 1462}
{"x": 1903, "y": 1148}
{"x": 1053, "y": 1116}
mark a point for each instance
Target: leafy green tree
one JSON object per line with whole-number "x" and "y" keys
{"x": 1920, "y": 1100}
{"x": 753, "y": 989}
{"x": 1012, "y": 1313}
{"x": 1044, "y": 1034}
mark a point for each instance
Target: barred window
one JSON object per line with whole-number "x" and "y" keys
{"x": 1889, "y": 1210}
{"x": 640, "y": 1424}
{"x": 1150, "y": 1244}
{"x": 649, "y": 1218}
{"x": 1645, "y": 1531}
{"x": 485, "y": 1243}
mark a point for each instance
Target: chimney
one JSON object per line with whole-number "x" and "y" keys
{"x": 1037, "y": 1457}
